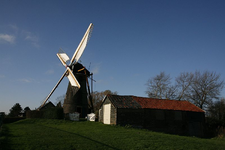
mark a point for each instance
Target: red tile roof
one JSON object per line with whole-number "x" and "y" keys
{"x": 167, "y": 104}
{"x": 141, "y": 102}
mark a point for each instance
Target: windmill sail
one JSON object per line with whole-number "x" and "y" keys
{"x": 82, "y": 45}
{"x": 72, "y": 79}
{"x": 63, "y": 57}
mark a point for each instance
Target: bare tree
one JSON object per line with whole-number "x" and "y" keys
{"x": 171, "y": 92}
{"x": 200, "y": 88}
{"x": 204, "y": 88}
{"x": 98, "y": 96}
{"x": 183, "y": 82}
{"x": 159, "y": 87}
{"x": 60, "y": 100}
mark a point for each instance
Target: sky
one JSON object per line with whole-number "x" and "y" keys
{"x": 132, "y": 41}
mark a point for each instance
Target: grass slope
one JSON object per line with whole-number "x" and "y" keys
{"x": 59, "y": 134}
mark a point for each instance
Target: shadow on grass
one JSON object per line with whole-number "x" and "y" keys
{"x": 103, "y": 144}
{"x": 4, "y": 140}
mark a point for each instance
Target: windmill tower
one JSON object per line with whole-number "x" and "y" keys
{"x": 78, "y": 93}
{"x": 81, "y": 100}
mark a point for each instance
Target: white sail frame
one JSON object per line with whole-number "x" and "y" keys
{"x": 80, "y": 49}
{"x": 72, "y": 78}
{"x": 63, "y": 57}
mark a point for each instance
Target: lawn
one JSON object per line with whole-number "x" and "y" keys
{"x": 67, "y": 135}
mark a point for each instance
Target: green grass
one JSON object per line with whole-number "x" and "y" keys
{"x": 66, "y": 135}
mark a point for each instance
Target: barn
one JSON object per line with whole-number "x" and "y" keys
{"x": 169, "y": 116}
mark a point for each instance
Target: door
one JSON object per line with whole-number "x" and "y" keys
{"x": 106, "y": 114}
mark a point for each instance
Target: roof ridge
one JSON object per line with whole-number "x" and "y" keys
{"x": 159, "y": 98}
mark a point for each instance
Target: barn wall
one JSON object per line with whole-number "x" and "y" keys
{"x": 113, "y": 115}
{"x": 134, "y": 117}
{"x": 169, "y": 121}
{"x": 196, "y": 123}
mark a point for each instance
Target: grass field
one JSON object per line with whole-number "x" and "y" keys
{"x": 66, "y": 135}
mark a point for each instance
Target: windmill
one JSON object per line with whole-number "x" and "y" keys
{"x": 78, "y": 79}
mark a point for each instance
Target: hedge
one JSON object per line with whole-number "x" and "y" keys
{"x": 50, "y": 113}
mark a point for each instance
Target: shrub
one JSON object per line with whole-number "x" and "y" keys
{"x": 220, "y": 132}
{"x": 54, "y": 113}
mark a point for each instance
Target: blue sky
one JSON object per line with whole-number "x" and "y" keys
{"x": 132, "y": 41}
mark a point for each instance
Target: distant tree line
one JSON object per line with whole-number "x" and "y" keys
{"x": 17, "y": 111}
